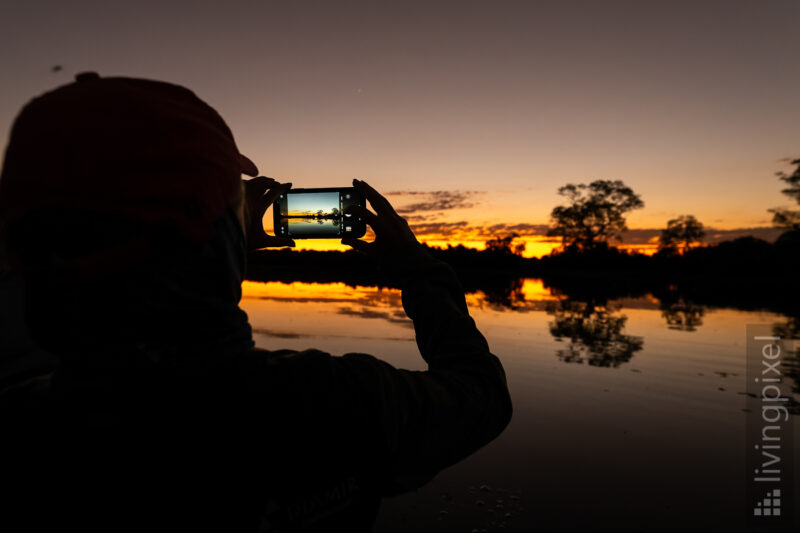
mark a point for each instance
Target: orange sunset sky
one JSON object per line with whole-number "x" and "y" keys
{"x": 471, "y": 114}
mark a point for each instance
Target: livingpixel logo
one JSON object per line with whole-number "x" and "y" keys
{"x": 770, "y": 505}
{"x": 772, "y": 412}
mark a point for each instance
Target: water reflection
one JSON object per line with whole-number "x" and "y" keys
{"x": 594, "y": 331}
{"x": 507, "y": 294}
{"x": 328, "y": 311}
{"x": 684, "y": 401}
{"x": 592, "y": 324}
{"x": 588, "y": 319}
{"x": 583, "y": 316}
{"x": 368, "y": 310}
{"x": 511, "y": 294}
{"x": 682, "y": 315}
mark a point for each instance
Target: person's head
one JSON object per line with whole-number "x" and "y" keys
{"x": 125, "y": 181}
{"x": 146, "y": 152}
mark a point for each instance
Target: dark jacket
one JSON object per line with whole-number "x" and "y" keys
{"x": 258, "y": 441}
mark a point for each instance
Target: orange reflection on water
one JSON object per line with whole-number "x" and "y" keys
{"x": 530, "y": 290}
{"x": 534, "y": 290}
{"x": 276, "y": 290}
{"x": 295, "y": 310}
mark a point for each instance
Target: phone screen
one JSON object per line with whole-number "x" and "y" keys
{"x": 318, "y": 214}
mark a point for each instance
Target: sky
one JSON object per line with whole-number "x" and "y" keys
{"x": 471, "y": 114}
{"x": 312, "y": 203}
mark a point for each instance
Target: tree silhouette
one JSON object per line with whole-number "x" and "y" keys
{"x": 793, "y": 179}
{"x": 505, "y": 245}
{"x": 595, "y": 213}
{"x": 789, "y": 218}
{"x": 682, "y": 231}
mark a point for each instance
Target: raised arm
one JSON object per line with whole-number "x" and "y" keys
{"x": 429, "y": 420}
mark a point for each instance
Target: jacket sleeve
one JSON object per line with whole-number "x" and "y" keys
{"x": 428, "y": 420}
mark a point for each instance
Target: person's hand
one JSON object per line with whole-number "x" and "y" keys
{"x": 259, "y": 194}
{"x": 391, "y": 230}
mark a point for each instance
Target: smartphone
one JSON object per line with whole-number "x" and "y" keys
{"x": 318, "y": 214}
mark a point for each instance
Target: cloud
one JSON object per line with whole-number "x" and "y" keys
{"x": 418, "y": 218}
{"x": 650, "y": 235}
{"x": 522, "y": 229}
{"x": 435, "y": 200}
{"x": 292, "y": 335}
{"x": 767, "y": 233}
{"x": 396, "y": 317}
{"x": 439, "y": 228}
{"x": 278, "y": 334}
{"x": 426, "y": 193}
{"x": 464, "y": 231}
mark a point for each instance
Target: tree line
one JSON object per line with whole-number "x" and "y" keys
{"x": 595, "y": 214}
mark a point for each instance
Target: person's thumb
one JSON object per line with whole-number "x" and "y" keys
{"x": 358, "y": 244}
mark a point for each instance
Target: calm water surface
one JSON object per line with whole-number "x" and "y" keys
{"x": 627, "y": 416}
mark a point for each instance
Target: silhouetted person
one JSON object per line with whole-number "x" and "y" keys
{"x": 141, "y": 402}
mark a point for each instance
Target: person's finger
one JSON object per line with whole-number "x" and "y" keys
{"x": 274, "y": 193}
{"x": 274, "y": 241}
{"x": 260, "y": 179}
{"x": 368, "y": 216}
{"x": 259, "y": 185}
{"x": 369, "y": 194}
{"x": 358, "y": 244}
{"x": 376, "y": 199}
{"x": 268, "y": 241}
{"x": 254, "y": 190}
